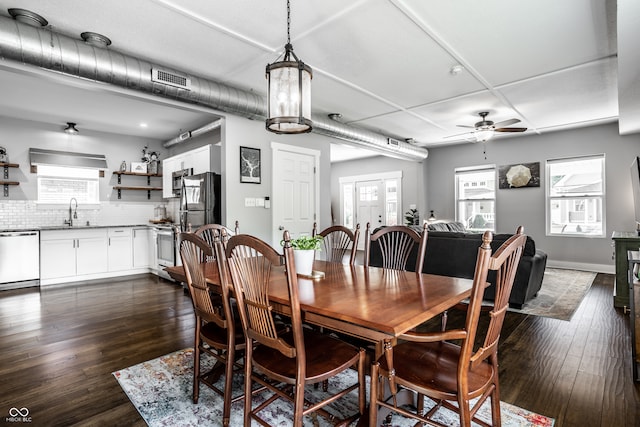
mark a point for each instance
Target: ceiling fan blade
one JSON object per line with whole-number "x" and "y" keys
{"x": 458, "y": 134}
{"x": 465, "y": 126}
{"x": 511, "y": 129}
{"x": 506, "y": 123}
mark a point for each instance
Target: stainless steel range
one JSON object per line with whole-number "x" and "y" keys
{"x": 166, "y": 248}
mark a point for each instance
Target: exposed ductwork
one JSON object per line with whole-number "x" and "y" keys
{"x": 41, "y": 47}
{"x": 192, "y": 134}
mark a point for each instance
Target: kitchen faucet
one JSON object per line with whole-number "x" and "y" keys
{"x": 73, "y": 214}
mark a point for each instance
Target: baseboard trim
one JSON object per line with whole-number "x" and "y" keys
{"x": 597, "y": 268}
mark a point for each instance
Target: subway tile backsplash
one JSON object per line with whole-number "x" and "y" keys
{"x": 18, "y": 214}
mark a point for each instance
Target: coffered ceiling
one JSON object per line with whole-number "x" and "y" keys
{"x": 408, "y": 69}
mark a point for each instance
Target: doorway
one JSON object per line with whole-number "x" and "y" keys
{"x": 295, "y": 190}
{"x": 373, "y": 199}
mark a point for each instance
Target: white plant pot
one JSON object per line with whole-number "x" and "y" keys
{"x": 303, "y": 259}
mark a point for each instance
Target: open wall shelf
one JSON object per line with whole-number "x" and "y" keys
{"x": 148, "y": 188}
{"x": 5, "y": 181}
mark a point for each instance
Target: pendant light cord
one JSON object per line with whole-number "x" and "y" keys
{"x": 288, "y": 22}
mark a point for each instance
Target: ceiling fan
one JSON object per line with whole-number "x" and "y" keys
{"x": 484, "y": 129}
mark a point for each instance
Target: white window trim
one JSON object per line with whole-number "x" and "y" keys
{"x": 549, "y": 198}
{"x": 473, "y": 169}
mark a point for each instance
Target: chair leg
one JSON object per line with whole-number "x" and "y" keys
{"x": 373, "y": 395}
{"x": 465, "y": 413}
{"x": 248, "y": 367}
{"x": 228, "y": 382}
{"x": 298, "y": 402}
{"x": 196, "y": 364}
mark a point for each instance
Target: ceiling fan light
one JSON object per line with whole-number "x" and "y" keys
{"x": 71, "y": 129}
{"x": 483, "y": 135}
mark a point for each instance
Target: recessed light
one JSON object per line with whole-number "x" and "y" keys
{"x": 143, "y": 125}
{"x": 456, "y": 69}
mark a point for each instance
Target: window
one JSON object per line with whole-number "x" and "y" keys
{"x": 58, "y": 184}
{"x": 391, "y": 200}
{"x": 575, "y": 196}
{"x": 347, "y": 205}
{"x": 476, "y": 198}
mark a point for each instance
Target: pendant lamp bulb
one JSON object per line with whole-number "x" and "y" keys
{"x": 289, "y": 91}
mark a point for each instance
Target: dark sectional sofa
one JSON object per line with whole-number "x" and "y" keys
{"x": 453, "y": 253}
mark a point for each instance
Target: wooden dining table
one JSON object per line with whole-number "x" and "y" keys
{"x": 370, "y": 303}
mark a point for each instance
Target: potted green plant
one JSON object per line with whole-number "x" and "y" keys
{"x": 304, "y": 251}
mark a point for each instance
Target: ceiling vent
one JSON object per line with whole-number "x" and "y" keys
{"x": 393, "y": 142}
{"x": 170, "y": 78}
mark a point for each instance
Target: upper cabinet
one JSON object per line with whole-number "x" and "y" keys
{"x": 198, "y": 160}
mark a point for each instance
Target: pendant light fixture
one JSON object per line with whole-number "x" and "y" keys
{"x": 71, "y": 129}
{"x": 289, "y": 91}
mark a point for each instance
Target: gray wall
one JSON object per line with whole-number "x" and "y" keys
{"x": 238, "y": 131}
{"x": 17, "y": 136}
{"x": 413, "y": 188}
{"x": 526, "y": 206}
{"x": 435, "y": 190}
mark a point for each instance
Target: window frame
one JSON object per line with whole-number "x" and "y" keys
{"x": 68, "y": 173}
{"x": 458, "y": 172}
{"x": 577, "y": 197}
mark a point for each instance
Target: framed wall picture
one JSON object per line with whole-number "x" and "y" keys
{"x": 519, "y": 175}
{"x": 250, "y": 165}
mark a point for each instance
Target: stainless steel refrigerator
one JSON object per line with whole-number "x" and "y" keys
{"x": 200, "y": 201}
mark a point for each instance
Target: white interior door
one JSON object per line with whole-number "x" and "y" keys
{"x": 295, "y": 204}
{"x": 369, "y": 205}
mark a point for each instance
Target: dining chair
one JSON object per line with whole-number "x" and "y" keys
{"x": 452, "y": 374}
{"x": 395, "y": 244}
{"x": 284, "y": 361}
{"x": 216, "y": 332}
{"x": 212, "y": 232}
{"x": 337, "y": 240}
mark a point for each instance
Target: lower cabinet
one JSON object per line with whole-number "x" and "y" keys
{"x": 143, "y": 247}
{"x": 71, "y": 255}
{"x": 623, "y": 241}
{"x": 68, "y": 253}
{"x": 120, "y": 249}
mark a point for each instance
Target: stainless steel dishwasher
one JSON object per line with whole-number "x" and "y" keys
{"x": 19, "y": 259}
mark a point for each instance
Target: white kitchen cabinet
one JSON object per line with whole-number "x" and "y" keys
{"x": 198, "y": 159}
{"x": 69, "y": 253}
{"x": 169, "y": 166}
{"x": 143, "y": 247}
{"x": 57, "y": 257}
{"x": 120, "y": 250}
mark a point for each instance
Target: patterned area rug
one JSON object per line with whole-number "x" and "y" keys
{"x": 560, "y": 295}
{"x": 160, "y": 389}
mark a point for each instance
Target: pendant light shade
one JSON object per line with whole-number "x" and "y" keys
{"x": 289, "y": 92}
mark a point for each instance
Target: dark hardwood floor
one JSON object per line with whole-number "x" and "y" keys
{"x": 59, "y": 346}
